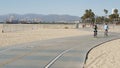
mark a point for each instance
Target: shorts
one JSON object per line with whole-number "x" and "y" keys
{"x": 95, "y": 31}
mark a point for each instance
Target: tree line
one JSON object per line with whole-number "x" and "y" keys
{"x": 90, "y": 17}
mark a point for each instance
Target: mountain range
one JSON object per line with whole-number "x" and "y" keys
{"x": 40, "y": 17}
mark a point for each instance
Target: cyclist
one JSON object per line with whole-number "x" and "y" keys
{"x": 95, "y": 30}
{"x": 106, "y": 29}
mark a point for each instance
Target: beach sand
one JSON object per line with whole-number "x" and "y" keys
{"x": 105, "y": 56}
{"x": 11, "y": 38}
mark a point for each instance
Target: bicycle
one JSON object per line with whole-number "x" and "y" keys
{"x": 106, "y": 33}
{"x": 95, "y": 34}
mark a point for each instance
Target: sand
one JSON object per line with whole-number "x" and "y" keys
{"x": 105, "y": 56}
{"x": 12, "y": 38}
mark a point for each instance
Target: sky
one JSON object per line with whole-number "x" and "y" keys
{"x": 70, "y": 7}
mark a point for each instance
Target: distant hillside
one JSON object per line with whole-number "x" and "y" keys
{"x": 40, "y": 17}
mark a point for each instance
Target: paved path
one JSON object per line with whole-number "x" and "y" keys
{"x": 69, "y": 52}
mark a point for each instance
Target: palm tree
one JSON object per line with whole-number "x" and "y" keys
{"x": 115, "y": 11}
{"x": 116, "y": 14}
{"x": 106, "y": 11}
{"x": 89, "y": 15}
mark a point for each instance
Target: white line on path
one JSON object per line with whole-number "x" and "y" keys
{"x": 50, "y": 63}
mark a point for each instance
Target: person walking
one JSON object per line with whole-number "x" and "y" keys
{"x": 106, "y": 29}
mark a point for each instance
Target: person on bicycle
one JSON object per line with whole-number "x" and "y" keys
{"x": 95, "y": 30}
{"x": 106, "y": 29}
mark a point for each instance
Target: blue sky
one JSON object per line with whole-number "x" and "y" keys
{"x": 71, "y": 7}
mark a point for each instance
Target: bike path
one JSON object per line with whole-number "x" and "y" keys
{"x": 40, "y": 53}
